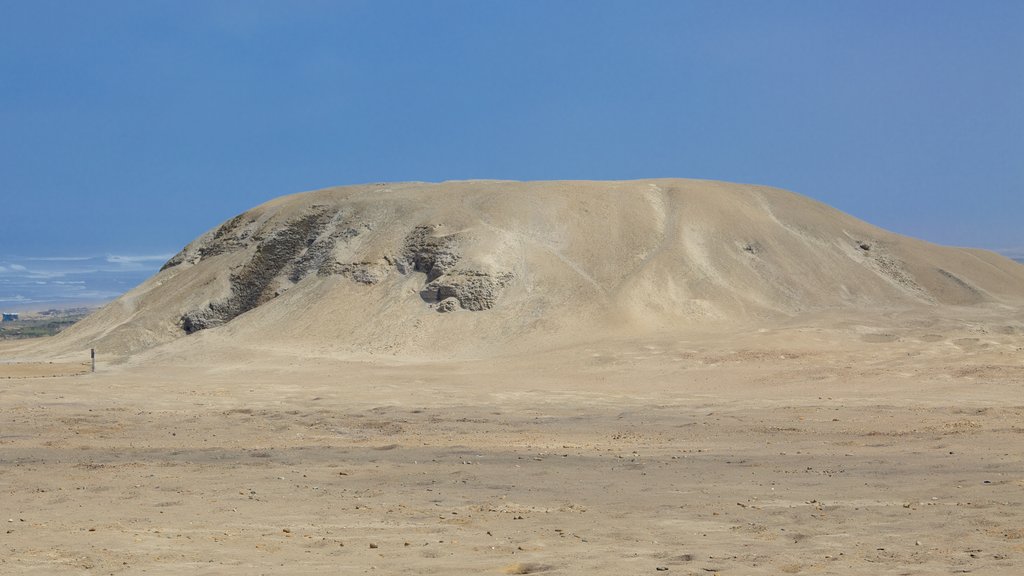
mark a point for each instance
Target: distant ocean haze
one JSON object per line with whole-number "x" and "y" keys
{"x": 41, "y": 283}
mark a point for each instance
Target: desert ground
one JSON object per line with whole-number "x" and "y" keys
{"x": 830, "y": 445}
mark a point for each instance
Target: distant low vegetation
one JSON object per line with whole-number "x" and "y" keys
{"x": 41, "y": 324}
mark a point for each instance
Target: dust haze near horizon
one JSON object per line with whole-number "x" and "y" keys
{"x": 133, "y": 127}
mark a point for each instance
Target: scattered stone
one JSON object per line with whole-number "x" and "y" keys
{"x": 525, "y": 568}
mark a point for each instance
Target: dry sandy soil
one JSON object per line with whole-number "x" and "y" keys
{"x": 886, "y": 446}
{"x": 42, "y": 369}
{"x": 557, "y": 377}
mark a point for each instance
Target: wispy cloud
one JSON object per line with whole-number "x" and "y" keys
{"x": 57, "y": 258}
{"x": 146, "y": 258}
{"x": 125, "y": 263}
{"x": 58, "y": 266}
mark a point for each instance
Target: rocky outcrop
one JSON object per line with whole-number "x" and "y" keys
{"x": 255, "y": 283}
{"x": 235, "y": 234}
{"x": 448, "y": 305}
{"x": 472, "y": 290}
{"x": 361, "y": 272}
{"x": 309, "y": 244}
{"x": 429, "y": 252}
{"x": 427, "y": 249}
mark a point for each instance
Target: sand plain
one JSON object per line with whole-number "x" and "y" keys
{"x": 832, "y": 445}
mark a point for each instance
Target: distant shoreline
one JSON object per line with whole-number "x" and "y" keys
{"x": 34, "y": 284}
{"x": 37, "y": 307}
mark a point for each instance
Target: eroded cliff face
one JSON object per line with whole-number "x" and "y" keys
{"x": 333, "y": 241}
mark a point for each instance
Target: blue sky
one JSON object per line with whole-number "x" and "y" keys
{"x": 131, "y": 127}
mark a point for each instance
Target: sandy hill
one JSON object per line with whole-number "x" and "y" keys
{"x": 482, "y": 267}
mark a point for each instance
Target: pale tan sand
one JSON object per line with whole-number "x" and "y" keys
{"x": 800, "y": 451}
{"x": 42, "y": 369}
{"x": 877, "y": 434}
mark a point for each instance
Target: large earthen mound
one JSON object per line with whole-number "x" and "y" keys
{"x": 488, "y": 266}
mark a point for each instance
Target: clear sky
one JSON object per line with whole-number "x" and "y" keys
{"x": 130, "y": 127}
